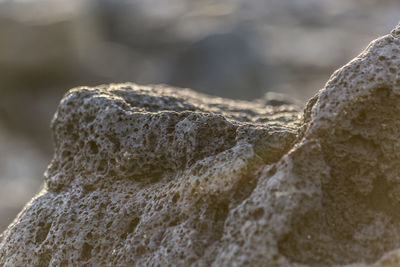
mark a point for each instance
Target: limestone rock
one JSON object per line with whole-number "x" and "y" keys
{"x": 160, "y": 176}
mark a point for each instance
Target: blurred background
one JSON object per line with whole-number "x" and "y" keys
{"x": 231, "y": 48}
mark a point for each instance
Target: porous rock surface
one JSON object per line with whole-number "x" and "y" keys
{"x": 159, "y": 176}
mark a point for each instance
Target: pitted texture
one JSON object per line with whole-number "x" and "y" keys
{"x": 147, "y": 174}
{"x": 159, "y": 176}
{"x": 145, "y": 133}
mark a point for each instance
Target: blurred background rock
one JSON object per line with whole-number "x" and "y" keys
{"x": 232, "y": 48}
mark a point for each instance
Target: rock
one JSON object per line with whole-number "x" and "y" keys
{"x": 145, "y": 175}
{"x": 153, "y": 175}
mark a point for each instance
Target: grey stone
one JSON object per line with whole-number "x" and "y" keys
{"x": 160, "y": 176}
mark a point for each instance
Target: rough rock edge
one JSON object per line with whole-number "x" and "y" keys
{"x": 330, "y": 200}
{"x": 108, "y": 143}
{"x": 356, "y": 114}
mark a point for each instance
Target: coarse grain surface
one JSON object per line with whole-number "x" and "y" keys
{"x": 162, "y": 176}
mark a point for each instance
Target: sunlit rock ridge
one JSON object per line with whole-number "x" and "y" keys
{"x": 162, "y": 176}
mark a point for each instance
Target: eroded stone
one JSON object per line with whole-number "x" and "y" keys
{"x": 154, "y": 175}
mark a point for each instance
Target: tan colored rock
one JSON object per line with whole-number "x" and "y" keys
{"x": 153, "y": 175}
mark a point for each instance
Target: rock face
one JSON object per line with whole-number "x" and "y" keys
{"x": 159, "y": 176}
